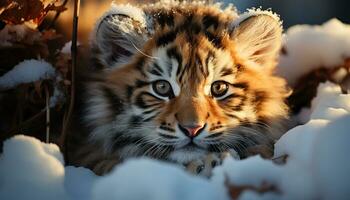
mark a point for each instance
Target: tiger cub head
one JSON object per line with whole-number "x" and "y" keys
{"x": 184, "y": 79}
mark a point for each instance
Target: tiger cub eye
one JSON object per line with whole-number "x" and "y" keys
{"x": 219, "y": 88}
{"x": 162, "y": 88}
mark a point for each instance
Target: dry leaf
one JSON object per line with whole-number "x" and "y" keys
{"x": 32, "y": 11}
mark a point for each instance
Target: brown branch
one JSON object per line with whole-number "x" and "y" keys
{"x": 47, "y": 94}
{"x": 27, "y": 122}
{"x": 57, "y": 15}
{"x": 69, "y": 111}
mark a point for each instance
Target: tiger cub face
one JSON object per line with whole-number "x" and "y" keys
{"x": 185, "y": 79}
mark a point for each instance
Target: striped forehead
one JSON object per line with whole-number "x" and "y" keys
{"x": 202, "y": 66}
{"x": 165, "y": 66}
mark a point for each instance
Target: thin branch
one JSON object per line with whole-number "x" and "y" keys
{"x": 47, "y": 94}
{"x": 27, "y": 122}
{"x": 57, "y": 15}
{"x": 68, "y": 114}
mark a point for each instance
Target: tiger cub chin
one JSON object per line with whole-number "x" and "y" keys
{"x": 180, "y": 81}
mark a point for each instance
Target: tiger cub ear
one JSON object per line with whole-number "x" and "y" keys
{"x": 258, "y": 37}
{"x": 118, "y": 35}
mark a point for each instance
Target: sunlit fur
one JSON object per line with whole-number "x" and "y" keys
{"x": 190, "y": 45}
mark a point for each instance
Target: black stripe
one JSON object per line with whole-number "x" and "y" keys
{"x": 139, "y": 65}
{"x": 151, "y": 117}
{"x": 214, "y": 39}
{"x": 233, "y": 116}
{"x": 187, "y": 23}
{"x": 195, "y": 28}
{"x": 114, "y": 101}
{"x": 241, "y": 85}
{"x": 155, "y": 72}
{"x": 200, "y": 66}
{"x": 135, "y": 120}
{"x": 214, "y": 135}
{"x": 226, "y": 71}
{"x": 140, "y": 102}
{"x": 166, "y": 128}
{"x": 149, "y": 111}
{"x": 157, "y": 67}
{"x": 140, "y": 83}
{"x": 129, "y": 91}
{"x": 210, "y": 20}
{"x": 168, "y": 136}
{"x": 181, "y": 76}
{"x": 166, "y": 38}
{"x": 117, "y": 52}
{"x": 239, "y": 67}
{"x": 259, "y": 98}
{"x": 165, "y": 18}
{"x": 238, "y": 107}
{"x": 174, "y": 53}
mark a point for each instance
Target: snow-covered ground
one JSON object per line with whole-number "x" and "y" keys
{"x": 317, "y": 164}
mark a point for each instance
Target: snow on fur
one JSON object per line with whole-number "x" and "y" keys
{"x": 133, "y": 12}
{"x": 310, "y": 47}
{"x": 26, "y": 72}
{"x": 255, "y": 12}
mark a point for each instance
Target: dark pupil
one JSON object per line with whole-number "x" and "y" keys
{"x": 219, "y": 88}
{"x": 162, "y": 87}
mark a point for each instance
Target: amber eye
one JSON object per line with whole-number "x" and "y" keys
{"x": 163, "y": 88}
{"x": 219, "y": 88}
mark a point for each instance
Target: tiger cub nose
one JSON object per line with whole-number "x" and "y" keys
{"x": 192, "y": 130}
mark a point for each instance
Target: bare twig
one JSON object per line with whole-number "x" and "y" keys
{"x": 57, "y": 15}
{"x": 69, "y": 111}
{"x": 47, "y": 94}
{"x": 27, "y": 122}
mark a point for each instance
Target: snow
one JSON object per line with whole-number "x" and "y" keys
{"x": 79, "y": 182}
{"x": 154, "y": 180}
{"x": 36, "y": 169}
{"x": 26, "y": 72}
{"x": 24, "y": 176}
{"x": 310, "y": 47}
{"x": 255, "y": 12}
{"x": 133, "y": 12}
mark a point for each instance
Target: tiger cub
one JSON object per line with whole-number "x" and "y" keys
{"x": 179, "y": 81}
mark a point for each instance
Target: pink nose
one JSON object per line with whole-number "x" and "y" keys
{"x": 192, "y": 131}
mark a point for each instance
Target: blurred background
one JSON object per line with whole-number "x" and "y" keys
{"x": 301, "y": 11}
{"x": 291, "y": 11}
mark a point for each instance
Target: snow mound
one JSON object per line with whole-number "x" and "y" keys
{"x": 36, "y": 170}
{"x": 26, "y": 72}
{"x": 310, "y": 47}
{"x": 30, "y": 169}
{"x": 154, "y": 180}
